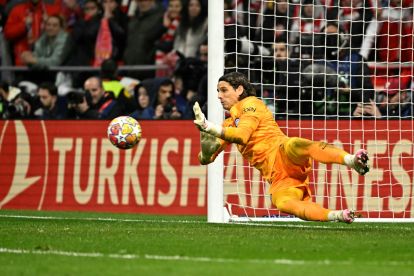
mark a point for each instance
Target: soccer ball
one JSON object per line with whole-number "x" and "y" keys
{"x": 124, "y": 132}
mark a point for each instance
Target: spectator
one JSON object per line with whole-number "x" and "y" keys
{"x": 23, "y": 104}
{"x": 5, "y": 56}
{"x": 202, "y": 53}
{"x": 334, "y": 86}
{"x": 24, "y": 24}
{"x": 390, "y": 35}
{"x": 241, "y": 52}
{"x": 4, "y": 99}
{"x": 354, "y": 17}
{"x": 52, "y": 106}
{"x": 142, "y": 97}
{"x": 193, "y": 28}
{"x": 190, "y": 72}
{"x": 395, "y": 101}
{"x": 196, "y": 90}
{"x": 229, "y": 17}
{"x": 190, "y": 80}
{"x": 308, "y": 20}
{"x": 3, "y": 14}
{"x": 283, "y": 74}
{"x": 112, "y": 9}
{"x": 71, "y": 12}
{"x": 248, "y": 13}
{"x": 79, "y": 106}
{"x": 84, "y": 36}
{"x": 96, "y": 38}
{"x": 111, "y": 83}
{"x": 165, "y": 44}
{"x": 277, "y": 21}
{"x": 104, "y": 102}
{"x": 144, "y": 30}
{"x": 128, "y": 7}
{"x": 164, "y": 101}
{"x": 51, "y": 49}
{"x": 119, "y": 19}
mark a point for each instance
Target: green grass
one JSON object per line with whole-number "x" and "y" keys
{"x": 68, "y": 243}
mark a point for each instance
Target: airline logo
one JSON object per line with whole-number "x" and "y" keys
{"x": 21, "y": 174}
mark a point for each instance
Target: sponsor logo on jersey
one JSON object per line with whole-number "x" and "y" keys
{"x": 249, "y": 109}
{"x": 236, "y": 122}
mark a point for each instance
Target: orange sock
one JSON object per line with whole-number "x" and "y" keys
{"x": 299, "y": 150}
{"x": 290, "y": 201}
{"x": 325, "y": 153}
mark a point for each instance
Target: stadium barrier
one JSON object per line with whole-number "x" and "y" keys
{"x": 7, "y": 72}
{"x": 71, "y": 165}
{"x": 9, "y": 69}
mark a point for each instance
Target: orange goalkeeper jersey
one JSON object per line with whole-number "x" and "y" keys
{"x": 257, "y": 135}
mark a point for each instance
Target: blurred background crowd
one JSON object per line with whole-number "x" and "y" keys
{"x": 327, "y": 58}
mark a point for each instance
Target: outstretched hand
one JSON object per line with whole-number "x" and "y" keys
{"x": 203, "y": 124}
{"x": 200, "y": 118}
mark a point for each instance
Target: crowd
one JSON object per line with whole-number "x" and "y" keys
{"x": 324, "y": 58}
{"x": 103, "y": 34}
{"x": 308, "y": 58}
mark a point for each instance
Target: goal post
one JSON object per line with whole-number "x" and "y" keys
{"x": 323, "y": 84}
{"x": 215, "y": 194}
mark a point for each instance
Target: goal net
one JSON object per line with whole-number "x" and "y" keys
{"x": 338, "y": 71}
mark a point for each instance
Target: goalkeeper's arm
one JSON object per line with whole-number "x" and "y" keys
{"x": 239, "y": 135}
{"x": 211, "y": 144}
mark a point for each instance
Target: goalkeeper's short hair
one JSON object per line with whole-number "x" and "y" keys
{"x": 235, "y": 79}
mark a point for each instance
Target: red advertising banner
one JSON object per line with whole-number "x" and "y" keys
{"x": 71, "y": 165}
{"x": 385, "y": 192}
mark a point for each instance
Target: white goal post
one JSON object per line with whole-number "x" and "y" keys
{"x": 215, "y": 211}
{"x": 336, "y": 86}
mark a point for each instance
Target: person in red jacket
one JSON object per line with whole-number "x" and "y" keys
{"x": 25, "y": 23}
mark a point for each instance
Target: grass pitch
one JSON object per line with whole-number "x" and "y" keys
{"x": 63, "y": 243}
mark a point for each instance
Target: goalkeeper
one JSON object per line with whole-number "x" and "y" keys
{"x": 284, "y": 162}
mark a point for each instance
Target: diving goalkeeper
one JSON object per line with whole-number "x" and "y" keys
{"x": 284, "y": 162}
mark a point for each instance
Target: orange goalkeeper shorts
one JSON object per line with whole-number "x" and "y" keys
{"x": 287, "y": 174}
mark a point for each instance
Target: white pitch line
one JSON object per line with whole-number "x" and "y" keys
{"x": 152, "y": 257}
{"x": 98, "y": 219}
{"x": 195, "y": 259}
{"x": 291, "y": 225}
{"x": 273, "y": 224}
{"x": 167, "y": 221}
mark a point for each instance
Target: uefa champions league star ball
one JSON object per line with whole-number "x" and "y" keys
{"x": 124, "y": 132}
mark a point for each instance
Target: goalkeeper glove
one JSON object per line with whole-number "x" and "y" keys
{"x": 203, "y": 124}
{"x": 209, "y": 147}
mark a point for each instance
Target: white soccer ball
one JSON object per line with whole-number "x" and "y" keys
{"x": 124, "y": 132}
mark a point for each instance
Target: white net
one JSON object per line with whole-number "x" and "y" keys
{"x": 338, "y": 71}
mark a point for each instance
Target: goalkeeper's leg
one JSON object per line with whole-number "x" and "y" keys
{"x": 290, "y": 201}
{"x": 299, "y": 151}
